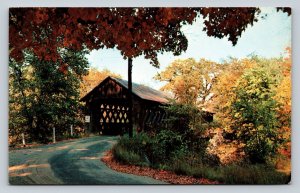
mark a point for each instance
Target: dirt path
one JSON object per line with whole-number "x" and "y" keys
{"x": 73, "y": 162}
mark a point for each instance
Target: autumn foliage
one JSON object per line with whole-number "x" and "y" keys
{"x": 251, "y": 97}
{"x": 93, "y": 78}
{"x": 190, "y": 81}
{"x": 133, "y": 31}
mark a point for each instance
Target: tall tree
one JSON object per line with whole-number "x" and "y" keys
{"x": 43, "y": 96}
{"x": 283, "y": 97}
{"x": 250, "y": 100}
{"x": 224, "y": 86}
{"x": 254, "y": 115}
{"x": 191, "y": 82}
{"x": 20, "y": 77}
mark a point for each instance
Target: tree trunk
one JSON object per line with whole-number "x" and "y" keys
{"x": 130, "y": 103}
{"x": 29, "y": 117}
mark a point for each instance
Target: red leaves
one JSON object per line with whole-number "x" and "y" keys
{"x": 129, "y": 24}
{"x": 16, "y": 54}
{"x": 124, "y": 28}
{"x": 64, "y": 68}
{"x": 162, "y": 175}
{"x": 41, "y": 15}
{"x": 231, "y": 22}
{"x": 287, "y": 10}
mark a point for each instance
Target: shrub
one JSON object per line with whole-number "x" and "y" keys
{"x": 123, "y": 153}
{"x": 184, "y": 117}
{"x": 254, "y": 115}
{"x": 127, "y": 157}
{"x": 180, "y": 147}
{"x": 211, "y": 160}
{"x": 143, "y": 150}
{"x": 164, "y": 144}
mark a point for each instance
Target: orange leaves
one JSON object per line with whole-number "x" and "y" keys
{"x": 284, "y": 92}
{"x": 142, "y": 45}
{"x": 223, "y": 90}
{"x": 124, "y": 28}
{"x": 190, "y": 81}
{"x": 93, "y": 78}
{"x": 163, "y": 175}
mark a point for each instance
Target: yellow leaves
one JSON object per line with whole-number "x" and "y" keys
{"x": 226, "y": 82}
{"x": 283, "y": 95}
{"x": 188, "y": 80}
{"x": 93, "y": 78}
{"x": 237, "y": 115}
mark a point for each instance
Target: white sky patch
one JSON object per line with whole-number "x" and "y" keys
{"x": 268, "y": 38}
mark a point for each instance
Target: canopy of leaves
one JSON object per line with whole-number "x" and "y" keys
{"x": 224, "y": 85}
{"x": 191, "y": 82}
{"x": 133, "y": 31}
{"x": 283, "y": 91}
{"x": 252, "y": 101}
{"x": 42, "y": 97}
{"x": 284, "y": 98}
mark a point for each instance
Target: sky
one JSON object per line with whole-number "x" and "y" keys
{"x": 267, "y": 38}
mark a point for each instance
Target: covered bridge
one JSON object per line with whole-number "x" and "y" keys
{"x": 107, "y": 105}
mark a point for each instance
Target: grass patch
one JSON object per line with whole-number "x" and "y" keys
{"x": 134, "y": 152}
{"x": 253, "y": 174}
{"x": 127, "y": 157}
{"x": 234, "y": 174}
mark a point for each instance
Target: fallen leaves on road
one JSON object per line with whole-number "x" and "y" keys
{"x": 25, "y": 166}
{"x": 76, "y": 150}
{"x": 17, "y": 167}
{"x": 51, "y": 149}
{"x": 166, "y": 176}
{"x": 22, "y": 170}
{"x": 20, "y": 175}
{"x": 89, "y": 158}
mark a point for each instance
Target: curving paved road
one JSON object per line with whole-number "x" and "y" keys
{"x": 72, "y": 162}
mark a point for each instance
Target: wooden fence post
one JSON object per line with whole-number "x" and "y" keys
{"x": 54, "y": 140}
{"x": 71, "y": 130}
{"x": 23, "y": 139}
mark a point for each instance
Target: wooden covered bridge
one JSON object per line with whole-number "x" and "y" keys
{"x": 107, "y": 106}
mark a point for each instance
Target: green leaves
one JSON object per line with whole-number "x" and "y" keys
{"x": 43, "y": 96}
{"x": 254, "y": 114}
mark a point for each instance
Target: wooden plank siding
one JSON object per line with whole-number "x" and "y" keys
{"x": 107, "y": 104}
